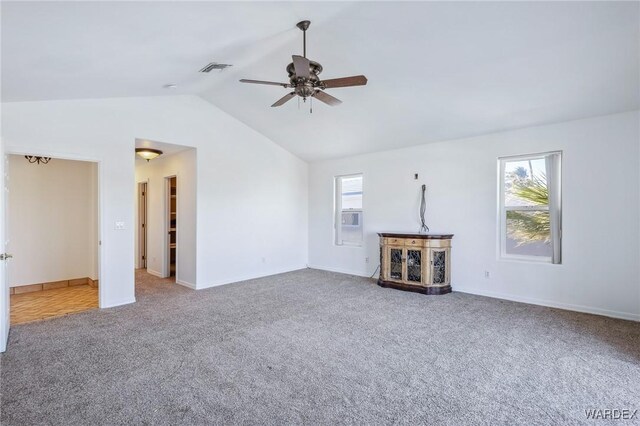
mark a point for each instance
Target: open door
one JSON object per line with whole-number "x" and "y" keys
{"x": 142, "y": 225}
{"x": 4, "y": 286}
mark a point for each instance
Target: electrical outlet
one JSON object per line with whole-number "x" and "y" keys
{"x": 487, "y": 275}
{"x": 264, "y": 260}
{"x": 366, "y": 260}
{"x": 119, "y": 226}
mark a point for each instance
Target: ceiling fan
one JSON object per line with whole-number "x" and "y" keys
{"x": 304, "y": 80}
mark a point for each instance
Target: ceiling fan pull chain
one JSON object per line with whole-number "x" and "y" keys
{"x": 311, "y": 105}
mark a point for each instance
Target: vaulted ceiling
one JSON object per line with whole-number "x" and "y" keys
{"x": 436, "y": 70}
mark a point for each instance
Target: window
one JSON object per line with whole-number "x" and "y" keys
{"x": 530, "y": 207}
{"x": 348, "y": 222}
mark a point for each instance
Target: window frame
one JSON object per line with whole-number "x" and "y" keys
{"x": 337, "y": 211}
{"x": 556, "y": 234}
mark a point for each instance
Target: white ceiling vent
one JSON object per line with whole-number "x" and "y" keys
{"x": 214, "y": 66}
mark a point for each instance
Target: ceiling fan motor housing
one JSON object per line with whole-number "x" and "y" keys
{"x": 304, "y": 86}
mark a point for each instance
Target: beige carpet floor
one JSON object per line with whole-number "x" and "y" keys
{"x": 314, "y": 347}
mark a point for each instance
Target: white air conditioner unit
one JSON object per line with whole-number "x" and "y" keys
{"x": 351, "y": 218}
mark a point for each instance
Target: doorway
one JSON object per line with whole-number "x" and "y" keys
{"x": 171, "y": 248}
{"x": 52, "y": 232}
{"x": 170, "y": 197}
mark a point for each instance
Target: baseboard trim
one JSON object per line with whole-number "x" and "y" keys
{"x": 155, "y": 273}
{"x": 120, "y": 303}
{"x": 532, "y": 301}
{"x": 340, "y": 271}
{"x": 186, "y": 284}
{"x": 251, "y": 277}
{"x": 52, "y": 285}
{"x": 550, "y": 304}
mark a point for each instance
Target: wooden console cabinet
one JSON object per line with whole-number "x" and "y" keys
{"x": 416, "y": 262}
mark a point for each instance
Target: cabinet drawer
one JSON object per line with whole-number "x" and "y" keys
{"x": 394, "y": 241}
{"x": 410, "y": 242}
{"x": 438, "y": 243}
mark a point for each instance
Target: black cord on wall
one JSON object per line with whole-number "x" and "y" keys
{"x": 374, "y": 272}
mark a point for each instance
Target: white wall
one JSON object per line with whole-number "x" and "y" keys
{"x": 252, "y": 216}
{"x": 252, "y": 194}
{"x": 183, "y": 165}
{"x": 601, "y": 214}
{"x": 52, "y": 230}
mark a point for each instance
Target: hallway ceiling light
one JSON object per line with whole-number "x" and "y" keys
{"x": 148, "y": 153}
{"x": 36, "y": 159}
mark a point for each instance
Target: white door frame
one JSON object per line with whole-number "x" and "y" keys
{"x": 4, "y": 283}
{"x": 67, "y": 156}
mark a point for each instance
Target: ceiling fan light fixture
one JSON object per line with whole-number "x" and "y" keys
{"x": 148, "y": 153}
{"x": 37, "y": 159}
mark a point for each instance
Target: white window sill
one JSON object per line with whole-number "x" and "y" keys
{"x": 529, "y": 260}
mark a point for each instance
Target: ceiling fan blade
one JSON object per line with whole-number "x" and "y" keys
{"x": 284, "y": 99}
{"x": 356, "y": 80}
{"x": 326, "y": 98}
{"x": 302, "y": 66}
{"x": 270, "y": 83}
